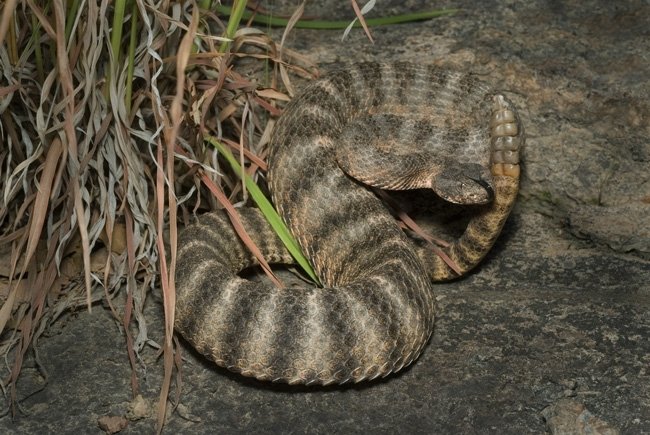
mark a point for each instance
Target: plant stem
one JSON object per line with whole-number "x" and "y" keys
{"x": 335, "y": 25}
{"x": 236, "y": 12}
{"x": 132, "y": 43}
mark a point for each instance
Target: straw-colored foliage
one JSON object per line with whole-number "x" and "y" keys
{"x": 101, "y": 145}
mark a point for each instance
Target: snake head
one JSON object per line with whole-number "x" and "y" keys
{"x": 464, "y": 183}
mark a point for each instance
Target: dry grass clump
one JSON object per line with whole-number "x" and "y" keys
{"x": 102, "y": 142}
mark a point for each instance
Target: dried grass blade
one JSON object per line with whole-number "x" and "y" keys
{"x": 240, "y": 230}
{"x": 130, "y": 253}
{"x": 7, "y": 307}
{"x": 295, "y": 17}
{"x": 359, "y": 13}
{"x": 42, "y": 19}
{"x": 249, "y": 155}
{"x": 65, "y": 76}
{"x": 5, "y": 20}
{"x": 412, "y": 225}
{"x": 168, "y": 276}
{"x": 166, "y": 291}
{"x": 267, "y": 209}
{"x": 283, "y": 70}
{"x": 4, "y": 91}
{"x": 274, "y": 111}
{"x": 39, "y": 210}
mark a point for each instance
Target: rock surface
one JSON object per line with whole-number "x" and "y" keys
{"x": 559, "y": 310}
{"x": 566, "y": 417}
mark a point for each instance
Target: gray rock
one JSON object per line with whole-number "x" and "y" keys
{"x": 568, "y": 417}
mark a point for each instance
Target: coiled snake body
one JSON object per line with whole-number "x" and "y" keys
{"x": 390, "y": 126}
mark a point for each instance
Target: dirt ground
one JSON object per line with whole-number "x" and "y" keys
{"x": 551, "y": 333}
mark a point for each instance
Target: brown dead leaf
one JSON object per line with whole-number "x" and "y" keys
{"x": 227, "y": 111}
{"x": 272, "y": 94}
{"x": 257, "y": 161}
{"x": 362, "y": 20}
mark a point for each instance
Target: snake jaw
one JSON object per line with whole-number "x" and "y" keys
{"x": 466, "y": 183}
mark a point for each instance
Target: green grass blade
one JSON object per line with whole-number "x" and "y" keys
{"x": 267, "y": 209}
{"x": 38, "y": 53}
{"x": 116, "y": 39}
{"x": 116, "y": 32}
{"x": 69, "y": 21}
{"x": 133, "y": 40}
{"x": 336, "y": 25}
{"x": 236, "y": 14}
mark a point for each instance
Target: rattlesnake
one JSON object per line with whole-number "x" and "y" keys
{"x": 391, "y": 126}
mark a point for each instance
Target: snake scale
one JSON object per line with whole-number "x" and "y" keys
{"x": 390, "y": 126}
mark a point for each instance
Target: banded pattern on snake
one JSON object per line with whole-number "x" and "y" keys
{"x": 390, "y": 126}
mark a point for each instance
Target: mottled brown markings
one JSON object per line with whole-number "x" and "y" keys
{"x": 302, "y": 187}
{"x": 405, "y": 74}
{"x": 438, "y": 81}
{"x": 317, "y": 340}
{"x": 235, "y": 345}
{"x": 202, "y": 305}
{"x": 287, "y": 342}
{"x": 337, "y": 316}
{"x": 366, "y": 88}
{"x": 377, "y": 313}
